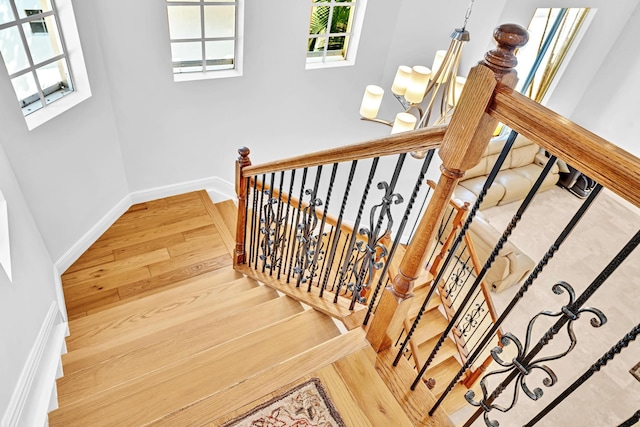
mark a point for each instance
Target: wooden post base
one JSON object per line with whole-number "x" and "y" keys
{"x": 388, "y": 320}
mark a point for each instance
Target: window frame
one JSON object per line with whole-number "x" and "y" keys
{"x": 237, "y": 38}
{"x": 62, "y": 10}
{"x": 357, "y": 20}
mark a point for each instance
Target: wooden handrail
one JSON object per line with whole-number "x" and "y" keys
{"x": 592, "y": 155}
{"x": 420, "y": 140}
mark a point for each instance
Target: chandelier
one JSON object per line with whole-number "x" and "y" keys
{"x": 420, "y": 89}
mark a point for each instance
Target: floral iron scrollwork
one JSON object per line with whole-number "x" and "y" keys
{"x": 272, "y": 228}
{"x": 309, "y": 241}
{"x": 522, "y": 365}
{"x": 369, "y": 253}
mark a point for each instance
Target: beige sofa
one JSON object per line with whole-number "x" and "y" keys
{"x": 516, "y": 177}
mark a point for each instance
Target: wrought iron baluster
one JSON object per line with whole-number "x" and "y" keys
{"x": 342, "y": 253}
{"x": 267, "y": 225}
{"x": 469, "y": 320}
{"x": 276, "y": 254}
{"x": 309, "y": 243}
{"x": 525, "y": 362}
{"x": 288, "y": 226}
{"x": 254, "y": 206}
{"x": 324, "y": 258}
{"x": 369, "y": 250}
{"x": 415, "y": 224}
{"x": 259, "y": 220}
{"x": 599, "y": 364}
{"x": 246, "y": 219}
{"x": 405, "y": 218}
{"x": 336, "y": 236}
{"x": 523, "y": 289}
{"x": 635, "y": 418}
{"x": 490, "y": 178}
{"x": 296, "y": 242}
{"x": 503, "y": 239}
{"x": 356, "y": 224}
{"x": 319, "y": 254}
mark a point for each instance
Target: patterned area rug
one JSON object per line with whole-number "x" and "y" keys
{"x": 305, "y": 405}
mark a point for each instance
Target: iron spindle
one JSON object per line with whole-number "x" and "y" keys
{"x": 403, "y": 223}
{"x": 259, "y": 220}
{"x": 324, "y": 259}
{"x": 635, "y": 418}
{"x": 336, "y": 237}
{"x": 254, "y": 205}
{"x": 523, "y": 289}
{"x": 503, "y": 239}
{"x": 267, "y": 241}
{"x": 600, "y": 363}
{"x": 306, "y": 227}
{"x": 569, "y": 313}
{"x": 356, "y": 224}
{"x": 295, "y": 242}
{"x": 418, "y": 216}
{"x": 344, "y": 247}
{"x": 317, "y": 252}
{"x": 288, "y": 226}
{"x": 490, "y": 178}
{"x": 246, "y": 218}
{"x": 276, "y": 256}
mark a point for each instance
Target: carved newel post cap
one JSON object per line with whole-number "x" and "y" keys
{"x": 244, "y": 151}
{"x": 509, "y": 37}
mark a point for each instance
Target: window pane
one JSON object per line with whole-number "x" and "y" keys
{"x": 25, "y": 87}
{"x": 319, "y": 19}
{"x": 220, "y": 54}
{"x": 184, "y": 22}
{"x": 340, "y": 20}
{"x": 186, "y": 57}
{"x": 316, "y": 46}
{"x": 54, "y": 74}
{"x": 220, "y": 21}
{"x": 15, "y": 57}
{"x": 336, "y": 47}
{"x": 43, "y": 45}
{"x": 24, "y": 6}
{"x": 6, "y": 14}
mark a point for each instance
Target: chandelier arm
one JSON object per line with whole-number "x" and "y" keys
{"x": 376, "y": 120}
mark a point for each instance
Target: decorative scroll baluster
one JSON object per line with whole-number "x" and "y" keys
{"x": 318, "y": 254}
{"x": 476, "y": 206}
{"x": 347, "y": 260}
{"x": 503, "y": 239}
{"x": 294, "y": 245}
{"x": 310, "y": 244}
{"x": 268, "y": 226}
{"x": 523, "y": 289}
{"x": 260, "y": 219}
{"x": 600, "y": 363}
{"x": 525, "y": 361}
{"x": 403, "y": 223}
{"x": 279, "y": 239}
{"x": 288, "y": 226}
{"x": 254, "y": 223}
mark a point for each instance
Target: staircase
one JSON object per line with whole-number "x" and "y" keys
{"x": 209, "y": 346}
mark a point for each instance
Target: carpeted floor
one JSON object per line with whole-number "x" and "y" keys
{"x": 305, "y": 405}
{"x": 612, "y": 395}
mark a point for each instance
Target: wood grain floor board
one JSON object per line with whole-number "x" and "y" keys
{"x": 147, "y": 398}
{"x": 170, "y": 347}
{"x": 148, "y": 246}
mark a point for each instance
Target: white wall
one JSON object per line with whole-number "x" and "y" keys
{"x": 25, "y": 302}
{"x": 70, "y": 169}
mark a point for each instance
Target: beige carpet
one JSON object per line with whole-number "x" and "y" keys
{"x": 613, "y": 394}
{"x": 305, "y": 405}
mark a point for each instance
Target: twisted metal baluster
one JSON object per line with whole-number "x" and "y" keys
{"x": 295, "y": 242}
{"x": 631, "y": 421}
{"x": 403, "y": 223}
{"x": 265, "y": 222}
{"x": 600, "y": 363}
{"x": 264, "y": 177}
{"x": 276, "y": 254}
{"x": 490, "y": 178}
{"x": 523, "y": 289}
{"x": 286, "y": 221}
{"x": 344, "y": 248}
{"x": 306, "y": 227}
{"x": 246, "y": 218}
{"x": 345, "y": 265}
{"x": 503, "y": 239}
{"x": 570, "y": 313}
{"x": 336, "y": 236}
{"x": 318, "y": 253}
{"x": 254, "y": 206}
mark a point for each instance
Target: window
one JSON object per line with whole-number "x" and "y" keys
{"x": 34, "y": 53}
{"x": 204, "y": 37}
{"x": 334, "y": 32}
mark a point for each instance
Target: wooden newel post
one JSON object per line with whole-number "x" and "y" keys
{"x": 241, "y": 191}
{"x": 464, "y": 142}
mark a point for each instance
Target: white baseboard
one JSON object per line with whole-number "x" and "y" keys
{"x": 35, "y": 392}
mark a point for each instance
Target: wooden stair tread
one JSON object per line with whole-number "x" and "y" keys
{"x": 265, "y": 381}
{"x": 196, "y": 294}
{"x": 432, "y": 323}
{"x": 418, "y": 299}
{"x": 446, "y": 350}
{"x": 168, "y": 347}
{"x": 147, "y": 398}
{"x": 443, "y": 372}
{"x": 97, "y": 348}
{"x": 416, "y": 403}
{"x": 224, "y": 216}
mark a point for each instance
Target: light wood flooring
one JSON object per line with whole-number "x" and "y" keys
{"x": 165, "y": 332}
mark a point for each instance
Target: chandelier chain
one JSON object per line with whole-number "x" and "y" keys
{"x": 467, "y": 15}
